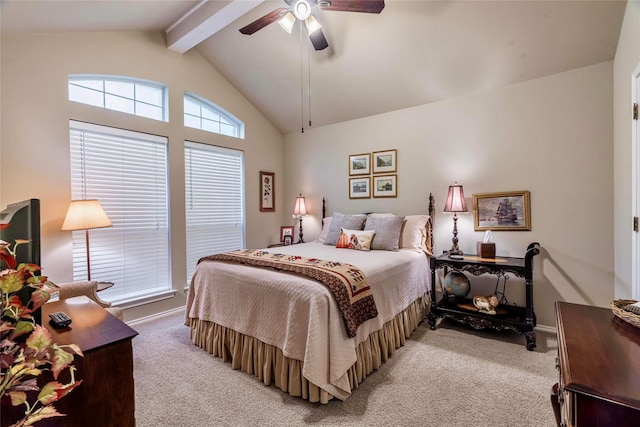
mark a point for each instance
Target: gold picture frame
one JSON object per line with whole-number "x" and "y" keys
{"x": 505, "y": 211}
{"x": 385, "y": 186}
{"x": 385, "y": 161}
{"x": 360, "y": 188}
{"x": 360, "y": 164}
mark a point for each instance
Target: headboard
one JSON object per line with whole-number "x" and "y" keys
{"x": 429, "y": 230}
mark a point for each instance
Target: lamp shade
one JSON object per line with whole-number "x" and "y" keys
{"x": 455, "y": 199}
{"x": 287, "y": 22}
{"x": 300, "y": 209}
{"x": 85, "y": 215}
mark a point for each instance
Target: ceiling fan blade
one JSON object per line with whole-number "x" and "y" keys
{"x": 364, "y": 6}
{"x": 267, "y": 19}
{"x": 318, "y": 40}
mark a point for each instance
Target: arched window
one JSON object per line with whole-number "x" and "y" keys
{"x": 202, "y": 114}
{"x": 129, "y": 95}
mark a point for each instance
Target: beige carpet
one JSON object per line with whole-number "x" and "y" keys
{"x": 453, "y": 376}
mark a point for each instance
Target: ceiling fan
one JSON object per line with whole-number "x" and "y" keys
{"x": 301, "y": 10}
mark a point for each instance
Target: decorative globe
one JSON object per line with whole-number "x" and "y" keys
{"x": 457, "y": 284}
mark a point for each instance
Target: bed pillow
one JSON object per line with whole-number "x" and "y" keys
{"x": 326, "y": 223}
{"x": 359, "y": 240}
{"x": 414, "y": 233}
{"x": 339, "y": 221}
{"x": 388, "y": 229}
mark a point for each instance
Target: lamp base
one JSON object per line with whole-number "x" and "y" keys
{"x": 455, "y": 252}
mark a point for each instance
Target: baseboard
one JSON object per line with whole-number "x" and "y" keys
{"x": 544, "y": 328}
{"x": 155, "y": 316}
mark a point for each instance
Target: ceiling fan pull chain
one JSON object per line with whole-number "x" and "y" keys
{"x": 309, "y": 83}
{"x": 301, "y": 83}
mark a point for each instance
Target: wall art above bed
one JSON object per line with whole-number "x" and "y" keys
{"x": 360, "y": 188}
{"x": 385, "y": 161}
{"x": 360, "y": 164}
{"x": 377, "y": 162}
{"x": 385, "y": 186}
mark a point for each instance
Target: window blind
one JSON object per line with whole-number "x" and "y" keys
{"x": 214, "y": 199}
{"x": 127, "y": 172}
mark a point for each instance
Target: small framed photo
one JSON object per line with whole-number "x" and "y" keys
{"x": 359, "y": 188}
{"x": 288, "y": 240}
{"x": 267, "y": 192}
{"x": 385, "y": 186}
{"x": 384, "y": 161}
{"x": 506, "y": 211}
{"x": 360, "y": 164}
{"x": 286, "y": 230}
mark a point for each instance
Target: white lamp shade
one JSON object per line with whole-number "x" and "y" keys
{"x": 287, "y": 22}
{"x": 455, "y": 199}
{"x": 84, "y": 215}
{"x": 312, "y": 24}
{"x": 300, "y": 209}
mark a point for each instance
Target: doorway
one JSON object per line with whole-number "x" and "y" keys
{"x": 635, "y": 144}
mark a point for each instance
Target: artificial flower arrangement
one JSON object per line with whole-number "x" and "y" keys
{"x": 26, "y": 347}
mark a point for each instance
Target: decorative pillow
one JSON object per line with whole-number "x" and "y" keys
{"x": 414, "y": 234}
{"x": 355, "y": 239}
{"x": 325, "y": 229}
{"x": 388, "y": 229}
{"x": 339, "y": 221}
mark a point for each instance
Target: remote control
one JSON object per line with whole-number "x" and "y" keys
{"x": 60, "y": 319}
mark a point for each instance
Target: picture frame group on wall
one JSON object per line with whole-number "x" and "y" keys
{"x": 377, "y": 162}
{"x": 267, "y": 192}
{"x": 505, "y": 211}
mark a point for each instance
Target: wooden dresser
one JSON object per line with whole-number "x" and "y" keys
{"x": 106, "y": 395}
{"x": 599, "y": 363}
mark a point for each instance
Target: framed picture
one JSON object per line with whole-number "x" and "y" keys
{"x": 360, "y": 164}
{"x": 288, "y": 240}
{"x": 385, "y": 186}
{"x": 508, "y": 211}
{"x": 267, "y": 192}
{"x": 359, "y": 188}
{"x": 286, "y": 230}
{"x": 384, "y": 161}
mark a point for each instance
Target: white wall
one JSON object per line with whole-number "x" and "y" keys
{"x": 627, "y": 58}
{"x": 552, "y": 136}
{"x": 35, "y": 132}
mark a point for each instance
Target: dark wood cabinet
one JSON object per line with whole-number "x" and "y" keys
{"x": 106, "y": 396}
{"x": 511, "y": 317}
{"x": 599, "y": 367}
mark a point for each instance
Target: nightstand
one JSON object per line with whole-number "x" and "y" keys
{"x": 518, "y": 319}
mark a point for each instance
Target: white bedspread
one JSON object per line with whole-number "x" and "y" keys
{"x": 299, "y": 315}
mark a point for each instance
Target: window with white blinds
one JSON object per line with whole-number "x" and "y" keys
{"x": 214, "y": 198}
{"x": 127, "y": 172}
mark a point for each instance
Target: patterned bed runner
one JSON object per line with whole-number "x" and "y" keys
{"x": 346, "y": 282}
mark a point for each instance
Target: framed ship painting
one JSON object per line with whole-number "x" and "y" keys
{"x": 507, "y": 211}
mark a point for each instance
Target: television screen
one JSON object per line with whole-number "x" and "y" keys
{"x": 24, "y": 223}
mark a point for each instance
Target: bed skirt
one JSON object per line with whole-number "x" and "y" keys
{"x": 269, "y": 364}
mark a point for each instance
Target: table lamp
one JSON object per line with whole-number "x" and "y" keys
{"x": 455, "y": 203}
{"x": 300, "y": 210}
{"x": 85, "y": 215}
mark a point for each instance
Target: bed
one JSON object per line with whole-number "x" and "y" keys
{"x": 288, "y": 330}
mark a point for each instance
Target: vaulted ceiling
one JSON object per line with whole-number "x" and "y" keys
{"x": 412, "y": 53}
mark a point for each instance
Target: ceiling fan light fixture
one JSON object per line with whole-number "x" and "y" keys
{"x": 312, "y": 24}
{"x": 287, "y": 21}
{"x": 302, "y": 10}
